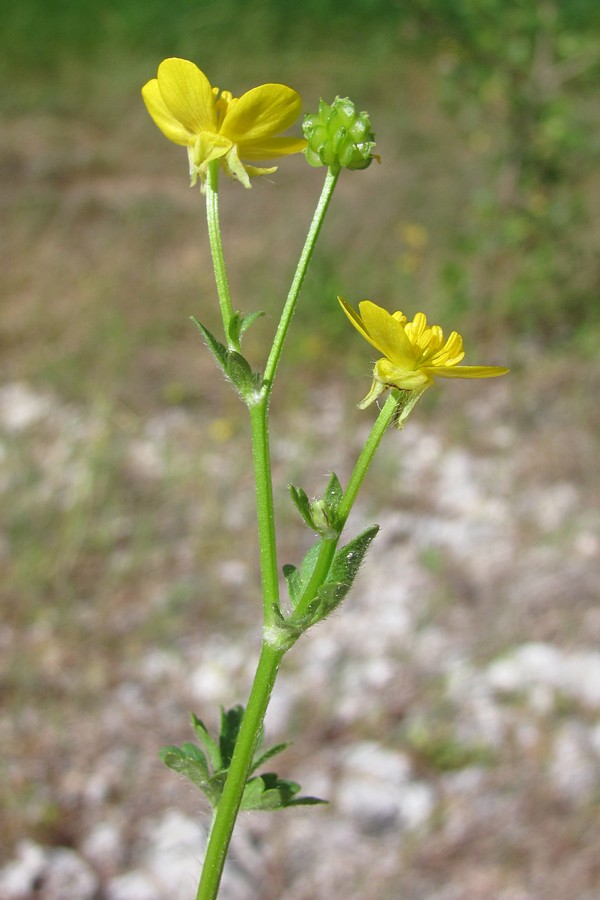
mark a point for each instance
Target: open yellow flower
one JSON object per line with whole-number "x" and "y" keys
{"x": 414, "y": 352}
{"x": 190, "y": 112}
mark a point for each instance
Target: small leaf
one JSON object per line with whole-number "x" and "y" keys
{"x": 309, "y": 562}
{"x": 231, "y": 720}
{"x": 328, "y": 598}
{"x": 268, "y": 791}
{"x": 216, "y": 347}
{"x": 193, "y": 766}
{"x": 248, "y": 320}
{"x": 302, "y": 504}
{"x": 268, "y": 754}
{"x": 209, "y": 743}
{"x": 237, "y": 369}
{"x": 348, "y": 560}
{"x": 334, "y": 493}
{"x": 240, "y": 323}
{"x": 343, "y": 571}
{"x": 294, "y": 582}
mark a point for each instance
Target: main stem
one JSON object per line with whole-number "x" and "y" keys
{"x": 229, "y": 804}
{"x": 270, "y": 656}
{"x": 265, "y": 516}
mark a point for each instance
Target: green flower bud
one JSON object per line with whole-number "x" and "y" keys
{"x": 339, "y": 136}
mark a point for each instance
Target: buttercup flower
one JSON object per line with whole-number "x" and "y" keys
{"x": 190, "y": 112}
{"x": 414, "y": 352}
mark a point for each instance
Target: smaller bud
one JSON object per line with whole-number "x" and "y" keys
{"x": 323, "y": 519}
{"x": 338, "y": 136}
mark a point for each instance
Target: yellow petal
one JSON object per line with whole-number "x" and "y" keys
{"x": 387, "y": 334}
{"x": 261, "y": 113}
{"x": 269, "y": 148}
{"x": 187, "y": 94}
{"x": 467, "y": 371}
{"x": 167, "y": 123}
{"x": 355, "y": 319}
{"x": 451, "y": 353}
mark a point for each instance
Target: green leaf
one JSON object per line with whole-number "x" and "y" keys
{"x": 208, "y": 742}
{"x": 258, "y": 761}
{"x": 234, "y": 366}
{"x": 294, "y": 582}
{"x": 248, "y": 320}
{"x": 231, "y": 720}
{"x": 334, "y": 494}
{"x": 216, "y": 347}
{"x": 348, "y": 559}
{"x": 268, "y": 791}
{"x": 189, "y": 760}
{"x": 302, "y": 504}
{"x": 309, "y": 562}
{"x": 240, "y": 323}
{"x": 328, "y": 598}
{"x": 237, "y": 369}
{"x": 344, "y": 569}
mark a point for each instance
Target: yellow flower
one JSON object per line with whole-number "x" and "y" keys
{"x": 190, "y": 112}
{"x": 414, "y": 352}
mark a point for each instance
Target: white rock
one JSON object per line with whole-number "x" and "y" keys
{"x": 104, "y": 847}
{"x": 135, "y": 885}
{"x": 18, "y": 878}
{"x": 571, "y": 767}
{"x": 376, "y": 789}
{"x": 21, "y": 407}
{"x": 68, "y": 877}
{"x": 537, "y": 668}
{"x": 174, "y": 854}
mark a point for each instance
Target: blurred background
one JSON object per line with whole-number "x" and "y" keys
{"x": 451, "y": 711}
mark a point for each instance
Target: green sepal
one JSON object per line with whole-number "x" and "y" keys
{"x": 268, "y": 791}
